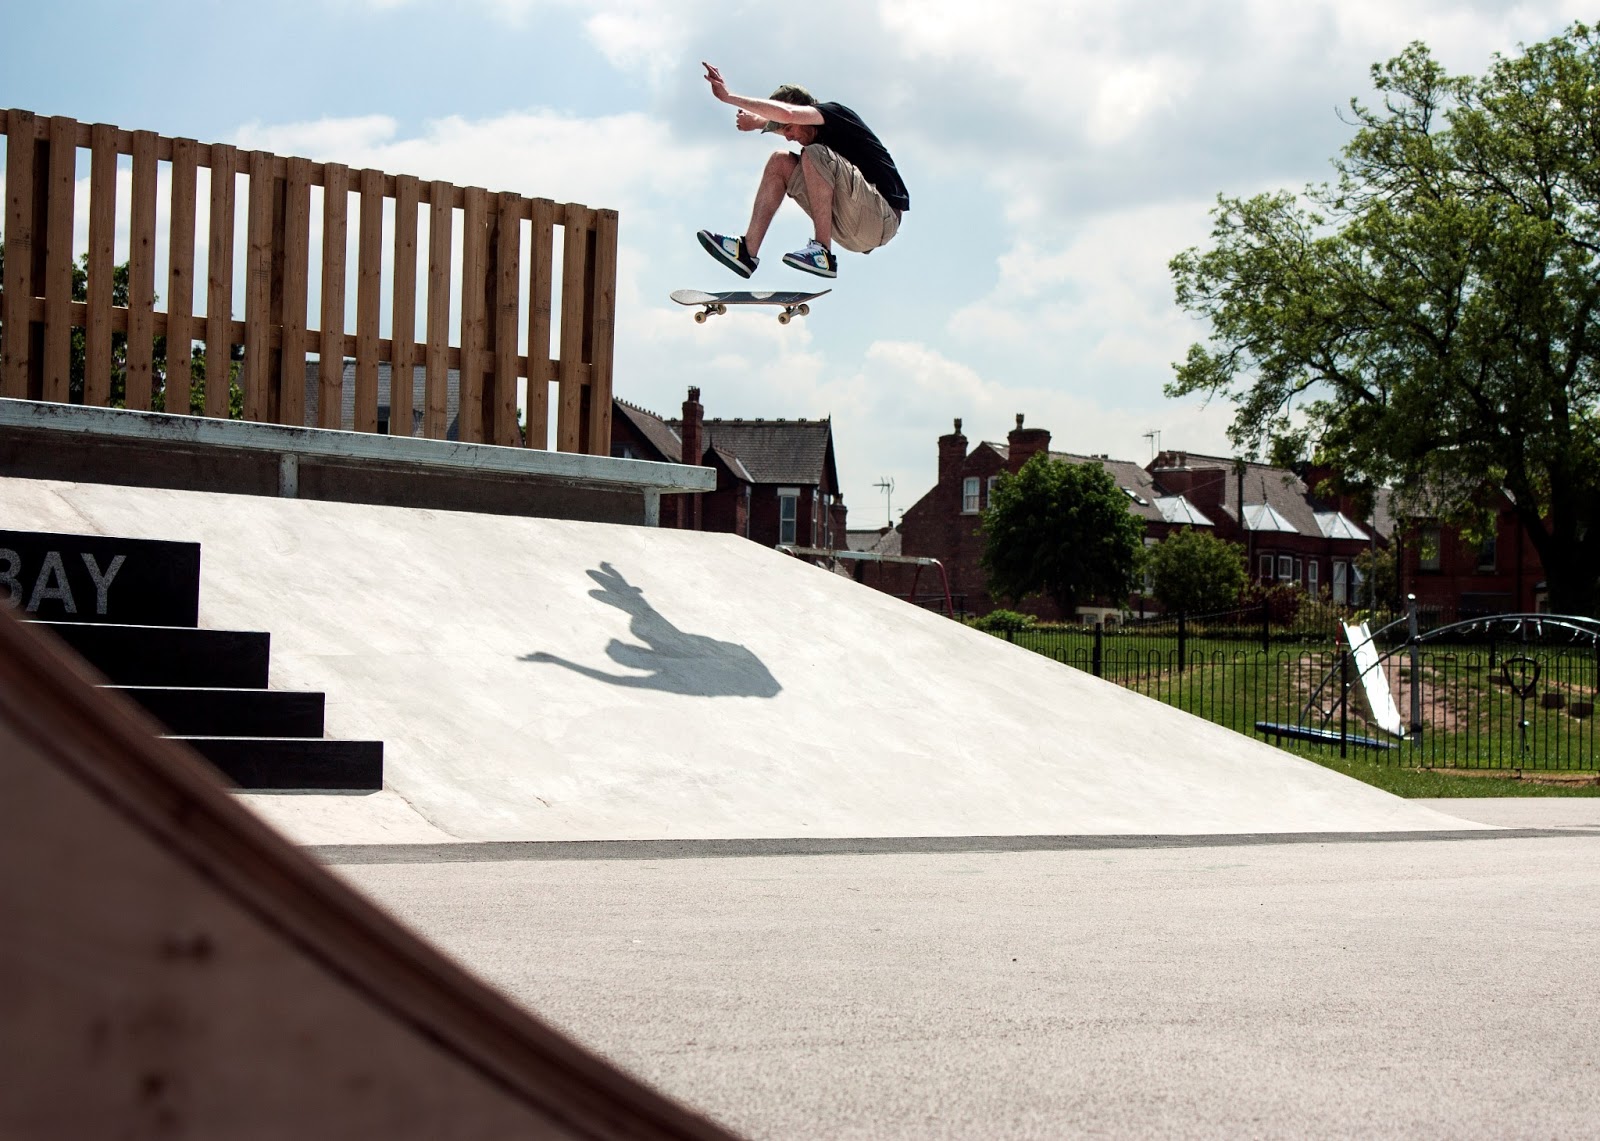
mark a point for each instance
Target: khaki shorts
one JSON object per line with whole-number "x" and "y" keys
{"x": 862, "y": 219}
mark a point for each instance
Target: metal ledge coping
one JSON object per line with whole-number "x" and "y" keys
{"x": 327, "y": 443}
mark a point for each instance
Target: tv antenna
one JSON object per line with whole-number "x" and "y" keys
{"x": 1154, "y": 436}
{"x": 886, "y": 485}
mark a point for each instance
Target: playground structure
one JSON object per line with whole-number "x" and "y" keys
{"x": 278, "y": 200}
{"x": 1364, "y": 666}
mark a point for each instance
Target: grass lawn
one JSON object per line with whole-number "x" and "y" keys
{"x": 1409, "y": 782}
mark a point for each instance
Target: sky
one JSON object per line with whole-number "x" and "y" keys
{"x": 1058, "y": 154}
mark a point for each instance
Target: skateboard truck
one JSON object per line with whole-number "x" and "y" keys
{"x": 716, "y": 308}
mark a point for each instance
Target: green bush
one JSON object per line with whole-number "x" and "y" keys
{"x": 1005, "y": 621}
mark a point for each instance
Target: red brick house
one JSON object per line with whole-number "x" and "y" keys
{"x": 1455, "y": 579}
{"x": 1289, "y": 536}
{"x": 777, "y": 480}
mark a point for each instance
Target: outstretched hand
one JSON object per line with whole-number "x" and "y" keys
{"x": 714, "y": 77}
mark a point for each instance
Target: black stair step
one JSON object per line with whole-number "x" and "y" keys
{"x": 281, "y": 763}
{"x": 170, "y": 656}
{"x": 213, "y": 712}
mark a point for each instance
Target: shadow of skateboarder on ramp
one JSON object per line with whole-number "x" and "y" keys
{"x": 668, "y": 659}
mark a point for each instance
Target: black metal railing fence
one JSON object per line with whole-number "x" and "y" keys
{"x": 1492, "y": 695}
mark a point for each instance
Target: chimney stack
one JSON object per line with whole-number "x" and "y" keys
{"x": 1024, "y": 444}
{"x": 952, "y": 454}
{"x": 694, "y": 451}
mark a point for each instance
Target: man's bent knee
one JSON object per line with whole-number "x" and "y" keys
{"x": 782, "y": 164}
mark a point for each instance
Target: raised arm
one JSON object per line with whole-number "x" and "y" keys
{"x": 757, "y": 113}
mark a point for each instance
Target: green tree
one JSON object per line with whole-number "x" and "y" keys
{"x": 1195, "y": 571}
{"x": 119, "y": 353}
{"x": 1431, "y": 320}
{"x": 1062, "y": 530}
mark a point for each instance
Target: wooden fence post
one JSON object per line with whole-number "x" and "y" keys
{"x": 180, "y": 277}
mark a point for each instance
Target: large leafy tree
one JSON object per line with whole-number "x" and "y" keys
{"x": 1429, "y": 320}
{"x": 1195, "y": 571}
{"x": 1062, "y": 530}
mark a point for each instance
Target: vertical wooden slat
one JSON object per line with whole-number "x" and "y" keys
{"x": 474, "y": 242}
{"x": 180, "y": 278}
{"x": 369, "y": 267}
{"x": 509, "y": 271}
{"x": 15, "y": 349}
{"x": 257, "y": 285}
{"x": 441, "y": 218}
{"x": 541, "y": 271}
{"x": 574, "y": 265}
{"x": 602, "y": 331}
{"x": 277, "y": 210}
{"x": 330, "y": 366}
{"x": 219, "y": 280}
{"x": 296, "y": 288}
{"x": 402, "y": 359}
{"x": 58, "y": 260}
{"x": 140, "y": 380}
{"x": 102, "y": 251}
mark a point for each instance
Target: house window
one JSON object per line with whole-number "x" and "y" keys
{"x": 1311, "y": 576}
{"x": 816, "y": 518}
{"x": 788, "y": 513}
{"x": 988, "y": 490}
{"x": 1428, "y": 549}
{"x": 1486, "y": 553}
{"x": 969, "y": 495}
{"x": 622, "y": 450}
{"x": 746, "y": 496}
{"x": 1286, "y": 568}
{"x": 1356, "y": 580}
{"x": 1266, "y": 568}
{"x": 1341, "y": 582}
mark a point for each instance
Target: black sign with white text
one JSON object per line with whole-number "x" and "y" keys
{"x": 90, "y": 578}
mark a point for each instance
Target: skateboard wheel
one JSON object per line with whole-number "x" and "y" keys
{"x": 721, "y": 308}
{"x": 804, "y": 310}
{"x": 783, "y": 318}
{"x": 699, "y": 318}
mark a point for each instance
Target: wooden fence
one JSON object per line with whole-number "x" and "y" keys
{"x": 276, "y": 336}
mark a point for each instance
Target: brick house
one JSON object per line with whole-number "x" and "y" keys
{"x": 1455, "y": 579}
{"x": 1289, "y": 536}
{"x": 777, "y": 480}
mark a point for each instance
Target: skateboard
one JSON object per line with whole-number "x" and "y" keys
{"x": 793, "y": 304}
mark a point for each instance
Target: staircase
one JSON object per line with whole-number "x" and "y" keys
{"x": 129, "y": 607}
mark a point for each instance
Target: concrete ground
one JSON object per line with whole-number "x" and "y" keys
{"x": 1372, "y": 986}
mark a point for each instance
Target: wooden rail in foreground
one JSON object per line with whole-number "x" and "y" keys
{"x": 276, "y": 335}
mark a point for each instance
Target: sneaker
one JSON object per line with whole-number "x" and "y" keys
{"x": 813, "y": 259}
{"x": 730, "y": 252}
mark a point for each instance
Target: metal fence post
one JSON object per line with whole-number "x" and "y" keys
{"x": 1344, "y": 703}
{"x": 1416, "y": 669}
{"x": 1182, "y": 641}
{"x": 1266, "y": 629}
{"x": 1099, "y": 649}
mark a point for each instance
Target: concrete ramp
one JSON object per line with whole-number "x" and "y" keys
{"x": 546, "y": 680}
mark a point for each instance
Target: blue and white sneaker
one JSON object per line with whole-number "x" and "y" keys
{"x": 813, "y": 258}
{"x": 730, "y": 252}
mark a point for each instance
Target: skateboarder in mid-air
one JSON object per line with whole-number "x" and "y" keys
{"x": 843, "y": 178}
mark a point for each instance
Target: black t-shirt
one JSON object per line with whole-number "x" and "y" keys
{"x": 843, "y": 131}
